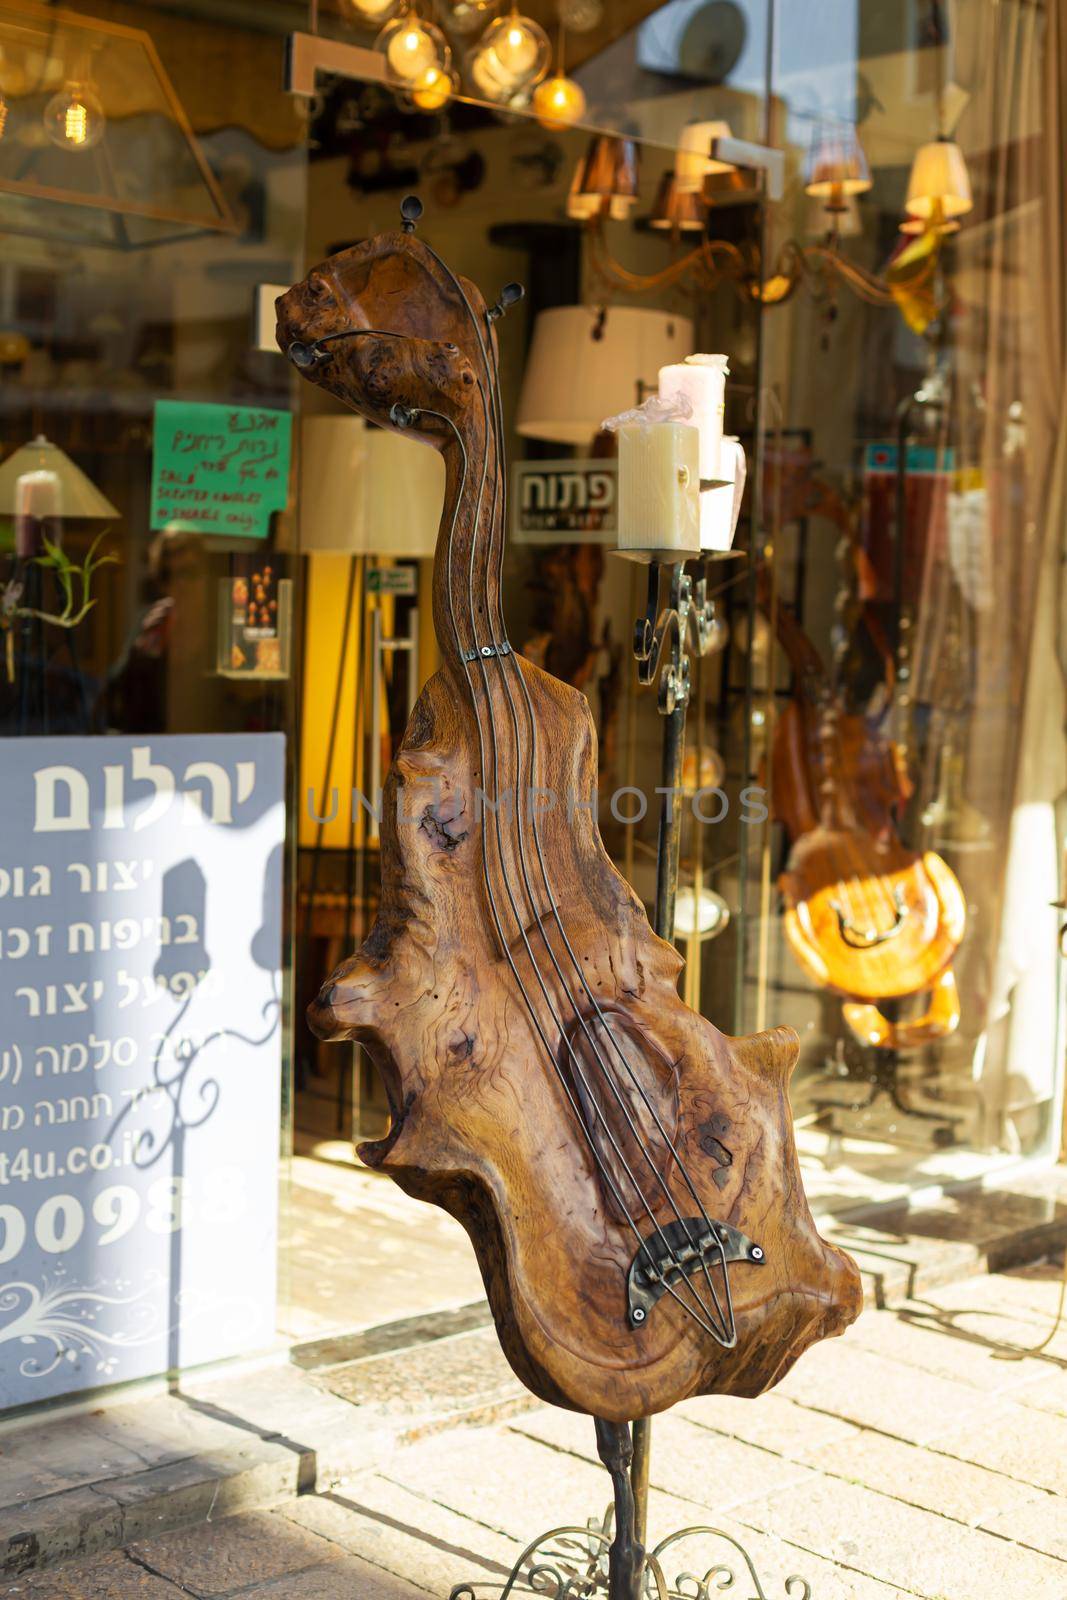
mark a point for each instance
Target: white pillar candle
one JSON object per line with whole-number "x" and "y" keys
{"x": 659, "y": 489}
{"x": 38, "y": 499}
{"x": 702, "y": 380}
{"x": 720, "y": 507}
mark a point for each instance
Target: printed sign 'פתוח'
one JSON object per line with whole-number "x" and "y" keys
{"x": 140, "y": 1055}
{"x": 565, "y": 501}
{"x": 221, "y": 470}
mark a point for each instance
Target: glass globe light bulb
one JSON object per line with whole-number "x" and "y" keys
{"x": 410, "y": 51}
{"x": 74, "y": 118}
{"x": 516, "y": 49}
{"x": 485, "y": 75}
{"x": 411, "y": 47}
{"x": 517, "y": 53}
{"x": 558, "y": 102}
{"x": 432, "y": 90}
{"x": 373, "y": 10}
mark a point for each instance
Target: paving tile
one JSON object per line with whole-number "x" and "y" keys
{"x": 413, "y": 1539}
{"x": 78, "y": 1522}
{"x": 964, "y": 1345}
{"x": 687, "y": 1461}
{"x": 110, "y": 1577}
{"x": 255, "y": 1474}
{"x": 70, "y": 1449}
{"x": 509, "y": 1482}
{"x": 774, "y": 1561}
{"x": 772, "y": 1422}
{"x": 157, "y": 1432}
{"x": 513, "y": 1485}
{"x": 276, "y": 1401}
{"x": 1046, "y": 1394}
{"x": 222, "y": 1558}
{"x": 847, "y": 1381}
{"x": 345, "y": 1579}
{"x": 1040, "y": 1525}
{"x": 1020, "y": 1441}
{"x": 453, "y": 1377}
{"x": 916, "y": 1550}
{"x": 1029, "y": 1293}
{"x": 959, "y": 1490}
{"x": 22, "y": 1481}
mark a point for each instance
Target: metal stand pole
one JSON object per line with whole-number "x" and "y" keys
{"x": 651, "y": 637}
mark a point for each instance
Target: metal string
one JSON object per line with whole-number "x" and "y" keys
{"x": 597, "y": 1158}
{"x": 519, "y": 920}
{"x": 726, "y": 1318}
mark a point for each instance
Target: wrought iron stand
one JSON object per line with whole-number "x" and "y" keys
{"x": 609, "y": 1557}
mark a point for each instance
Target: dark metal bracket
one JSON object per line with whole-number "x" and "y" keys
{"x": 678, "y": 1249}
{"x": 689, "y": 620}
{"x": 573, "y": 1564}
{"x": 488, "y": 650}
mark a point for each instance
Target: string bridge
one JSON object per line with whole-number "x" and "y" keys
{"x": 487, "y": 651}
{"x": 680, "y": 1250}
{"x": 858, "y": 938}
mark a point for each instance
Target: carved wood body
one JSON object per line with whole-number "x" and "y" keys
{"x": 510, "y": 960}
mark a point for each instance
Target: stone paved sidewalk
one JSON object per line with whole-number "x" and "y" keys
{"x": 919, "y": 1455}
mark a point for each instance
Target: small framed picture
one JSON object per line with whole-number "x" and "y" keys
{"x": 255, "y": 621}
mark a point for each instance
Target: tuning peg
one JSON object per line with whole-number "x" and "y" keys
{"x": 303, "y": 355}
{"x": 410, "y": 211}
{"x": 509, "y": 296}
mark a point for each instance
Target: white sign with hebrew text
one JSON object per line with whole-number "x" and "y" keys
{"x": 140, "y": 1055}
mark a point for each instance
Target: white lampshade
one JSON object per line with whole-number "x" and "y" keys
{"x": 366, "y": 490}
{"x": 586, "y": 364}
{"x": 837, "y": 167}
{"x": 939, "y": 184}
{"x": 53, "y": 485}
{"x": 693, "y": 161}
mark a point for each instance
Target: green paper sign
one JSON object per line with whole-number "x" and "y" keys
{"x": 219, "y": 470}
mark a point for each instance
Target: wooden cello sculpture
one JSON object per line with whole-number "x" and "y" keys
{"x": 626, "y": 1173}
{"x": 865, "y": 915}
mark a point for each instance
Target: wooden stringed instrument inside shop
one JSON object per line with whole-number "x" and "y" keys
{"x": 627, "y": 1173}
{"x": 866, "y": 916}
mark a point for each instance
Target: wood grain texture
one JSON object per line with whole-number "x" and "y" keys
{"x": 465, "y": 993}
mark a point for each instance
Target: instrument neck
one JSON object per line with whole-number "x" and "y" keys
{"x": 470, "y": 546}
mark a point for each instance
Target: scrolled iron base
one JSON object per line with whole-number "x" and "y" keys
{"x": 572, "y": 1564}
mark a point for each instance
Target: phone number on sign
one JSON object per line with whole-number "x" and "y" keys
{"x": 168, "y": 1205}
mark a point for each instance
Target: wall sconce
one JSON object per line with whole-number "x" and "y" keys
{"x": 694, "y": 161}
{"x": 939, "y": 189}
{"x": 605, "y": 180}
{"x": 837, "y": 168}
{"x": 677, "y": 210}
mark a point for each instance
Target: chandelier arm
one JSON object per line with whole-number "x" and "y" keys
{"x": 713, "y": 259}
